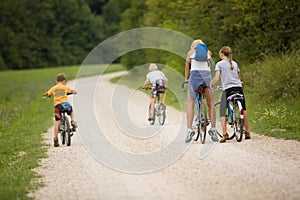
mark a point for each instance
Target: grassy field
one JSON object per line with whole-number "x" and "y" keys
{"x": 24, "y": 117}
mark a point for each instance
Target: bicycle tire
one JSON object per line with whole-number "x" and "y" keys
{"x": 68, "y": 132}
{"x": 63, "y": 132}
{"x": 161, "y": 114}
{"x": 230, "y": 123}
{"x": 198, "y": 124}
{"x": 203, "y": 121}
{"x": 238, "y": 123}
{"x": 149, "y": 115}
{"x": 216, "y": 106}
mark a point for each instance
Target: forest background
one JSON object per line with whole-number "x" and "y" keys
{"x": 263, "y": 34}
{"x": 39, "y": 34}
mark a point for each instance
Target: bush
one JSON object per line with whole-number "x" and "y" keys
{"x": 272, "y": 88}
{"x": 276, "y": 78}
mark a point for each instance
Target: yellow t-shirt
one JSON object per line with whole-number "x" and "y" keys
{"x": 59, "y": 91}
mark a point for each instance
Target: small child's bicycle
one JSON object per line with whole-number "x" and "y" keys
{"x": 65, "y": 127}
{"x": 201, "y": 119}
{"x": 159, "y": 109}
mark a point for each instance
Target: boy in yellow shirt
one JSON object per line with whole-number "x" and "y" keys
{"x": 60, "y": 92}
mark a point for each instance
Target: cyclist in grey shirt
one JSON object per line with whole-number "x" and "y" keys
{"x": 231, "y": 83}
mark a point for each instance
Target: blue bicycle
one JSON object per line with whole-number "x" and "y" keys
{"x": 234, "y": 116}
{"x": 201, "y": 119}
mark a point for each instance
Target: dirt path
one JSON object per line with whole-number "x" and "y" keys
{"x": 122, "y": 157}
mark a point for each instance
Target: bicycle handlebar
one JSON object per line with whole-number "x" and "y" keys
{"x": 45, "y": 96}
{"x": 147, "y": 88}
{"x": 182, "y": 85}
{"x": 218, "y": 88}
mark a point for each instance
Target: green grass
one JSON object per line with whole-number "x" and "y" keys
{"x": 278, "y": 119}
{"x": 24, "y": 117}
{"x": 273, "y": 94}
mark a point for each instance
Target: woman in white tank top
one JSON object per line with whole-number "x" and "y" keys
{"x": 198, "y": 73}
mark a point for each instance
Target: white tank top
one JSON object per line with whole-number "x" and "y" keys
{"x": 198, "y": 65}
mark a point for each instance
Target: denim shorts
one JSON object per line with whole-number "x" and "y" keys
{"x": 197, "y": 79}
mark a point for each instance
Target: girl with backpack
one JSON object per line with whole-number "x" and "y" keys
{"x": 198, "y": 73}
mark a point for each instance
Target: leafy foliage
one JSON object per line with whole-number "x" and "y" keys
{"x": 45, "y": 33}
{"x": 273, "y": 90}
{"x": 38, "y": 33}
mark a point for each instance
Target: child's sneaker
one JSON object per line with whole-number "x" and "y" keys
{"x": 213, "y": 132}
{"x": 56, "y": 142}
{"x": 189, "y": 134}
{"x": 74, "y": 126}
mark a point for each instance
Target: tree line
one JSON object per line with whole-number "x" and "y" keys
{"x": 37, "y": 33}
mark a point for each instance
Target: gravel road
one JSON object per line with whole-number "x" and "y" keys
{"x": 120, "y": 156}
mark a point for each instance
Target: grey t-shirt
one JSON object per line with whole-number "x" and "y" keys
{"x": 229, "y": 78}
{"x": 155, "y": 75}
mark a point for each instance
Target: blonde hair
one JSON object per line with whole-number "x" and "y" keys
{"x": 226, "y": 50}
{"x": 195, "y": 43}
{"x": 153, "y": 67}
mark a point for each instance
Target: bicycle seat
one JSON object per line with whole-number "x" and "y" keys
{"x": 235, "y": 96}
{"x": 201, "y": 88}
{"x": 63, "y": 110}
{"x": 65, "y": 107}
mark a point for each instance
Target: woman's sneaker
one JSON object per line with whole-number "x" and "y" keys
{"x": 189, "y": 135}
{"x": 55, "y": 142}
{"x": 213, "y": 132}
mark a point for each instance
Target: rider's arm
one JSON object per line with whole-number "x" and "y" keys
{"x": 239, "y": 74}
{"x": 187, "y": 66}
{"x": 145, "y": 83}
{"x": 215, "y": 79}
{"x": 74, "y": 92}
{"x": 46, "y": 94}
{"x": 49, "y": 93}
{"x": 166, "y": 80}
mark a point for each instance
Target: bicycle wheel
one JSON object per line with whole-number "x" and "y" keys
{"x": 149, "y": 115}
{"x": 238, "y": 123}
{"x": 217, "y": 108}
{"x": 203, "y": 121}
{"x": 230, "y": 122}
{"x": 68, "y": 132}
{"x": 161, "y": 114}
{"x": 63, "y": 131}
{"x": 198, "y": 122}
